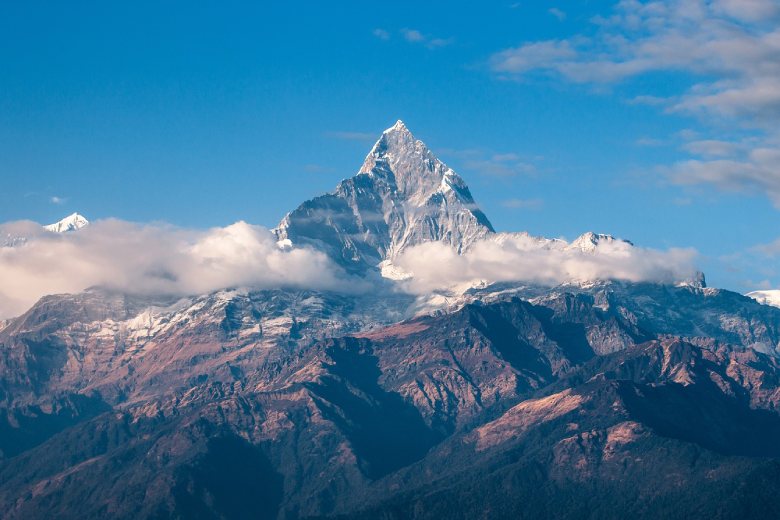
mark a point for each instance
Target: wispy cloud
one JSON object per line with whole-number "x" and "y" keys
{"x": 648, "y": 100}
{"x": 560, "y": 15}
{"x": 728, "y": 49}
{"x": 417, "y": 37}
{"x": 712, "y": 148}
{"x": 54, "y": 199}
{"x": 756, "y": 170}
{"x": 493, "y": 164}
{"x": 412, "y": 35}
{"x": 382, "y": 34}
{"x": 756, "y": 267}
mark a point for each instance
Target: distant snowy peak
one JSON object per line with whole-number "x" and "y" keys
{"x": 528, "y": 240}
{"x": 769, "y": 297}
{"x": 401, "y": 196}
{"x": 72, "y": 222}
{"x": 586, "y": 243}
{"x": 589, "y": 242}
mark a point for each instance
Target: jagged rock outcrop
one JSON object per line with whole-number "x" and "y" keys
{"x": 402, "y": 196}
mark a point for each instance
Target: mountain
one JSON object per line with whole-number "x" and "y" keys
{"x": 502, "y": 400}
{"x": 401, "y": 196}
{"x": 508, "y": 407}
{"x": 589, "y": 242}
{"x": 72, "y": 222}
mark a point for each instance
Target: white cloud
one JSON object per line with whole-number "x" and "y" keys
{"x": 153, "y": 259}
{"x": 748, "y": 10}
{"x": 754, "y": 267}
{"x": 756, "y": 171}
{"x": 729, "y": 51}
{"x": 532, "y": 56}
{"x": 519, "y": 257}
{"x": 560, "y": 15}
{"x": 381, "y": 34}
{"x": 493, "y": 164}
{"x": 415, "y": 36}
{"x": 412, "y": 35}
{"x": 712, "y": 147}
{"x": 732, "y": 45}
{"x": 57, "y": 200}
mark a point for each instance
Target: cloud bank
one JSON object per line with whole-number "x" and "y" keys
{"x": 165, "y": 260}
{"x": 518, "y": 257}
{"x": 152, "y": 259}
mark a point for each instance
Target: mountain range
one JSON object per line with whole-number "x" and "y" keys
{"x": 595, "y": 397}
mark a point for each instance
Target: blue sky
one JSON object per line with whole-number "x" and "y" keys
{"x": 654, "y": 121}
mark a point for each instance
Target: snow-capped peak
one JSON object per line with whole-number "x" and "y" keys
{"x": 72, "y": 222}
{"x": 588, "y": 242}
{"x": 408, "y": 164}
{"x": 399, "y": 126}
{"x": 401, "y": 196}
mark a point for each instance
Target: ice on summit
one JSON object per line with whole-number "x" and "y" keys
{"x": 72, "y": 222}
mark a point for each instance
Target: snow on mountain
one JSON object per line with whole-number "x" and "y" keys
{"x": 769, "y": 297}
{"x": 589, "y": 242}
{"x": 72, "y": 222}
{"x": 401, "y": 196}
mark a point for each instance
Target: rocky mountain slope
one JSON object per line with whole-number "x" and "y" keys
{"x": 426, "y": 418}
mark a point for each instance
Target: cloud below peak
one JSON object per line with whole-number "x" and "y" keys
{"x": 518, "y": 257}
{"x": 153, "y": 259}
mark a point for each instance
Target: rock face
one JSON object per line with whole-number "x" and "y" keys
{"x": 402, "y": 196}
{"x": 598, "y": 399}
{"x": 426, "y": 418}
